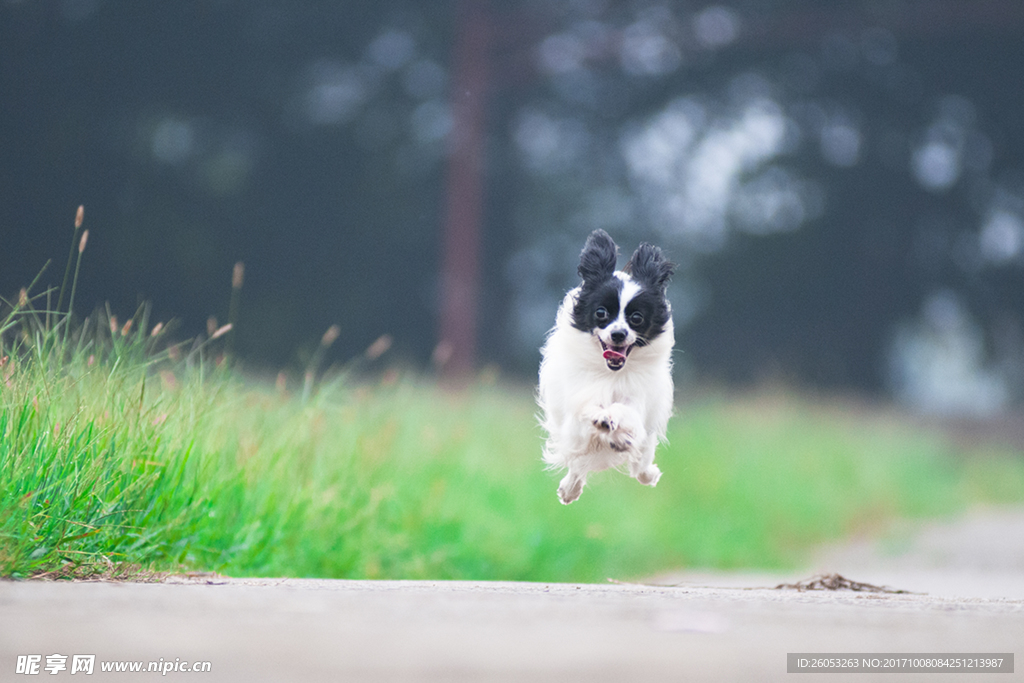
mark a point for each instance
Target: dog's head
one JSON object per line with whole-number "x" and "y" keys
{"x": 622, "y": 309}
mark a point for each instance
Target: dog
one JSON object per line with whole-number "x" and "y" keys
{"x": 605, "y": 389}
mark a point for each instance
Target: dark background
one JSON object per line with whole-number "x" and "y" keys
{"x": 864, "y": 232}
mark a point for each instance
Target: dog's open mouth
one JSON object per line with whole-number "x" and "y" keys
{"x": 615, "y": 356}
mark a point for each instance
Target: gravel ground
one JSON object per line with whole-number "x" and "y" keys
{"x": 705, "y": 627}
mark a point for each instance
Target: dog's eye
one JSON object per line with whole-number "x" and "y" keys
{"x": 636, "y": 319}
{"x": 601, "y": 314}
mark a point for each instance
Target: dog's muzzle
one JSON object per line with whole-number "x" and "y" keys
{"x": 615, "y": 356}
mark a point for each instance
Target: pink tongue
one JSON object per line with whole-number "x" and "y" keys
{"x": 613, "y": 355}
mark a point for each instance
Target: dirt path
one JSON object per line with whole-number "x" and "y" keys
{"x": 702, "y": 629}
{"x": 980, "y": 555}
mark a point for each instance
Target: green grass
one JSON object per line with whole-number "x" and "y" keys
{"x": 112, "y": 453}
{"x": 120, "y": 454}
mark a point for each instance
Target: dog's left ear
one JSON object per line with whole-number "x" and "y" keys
{"x": 649, "y": 266}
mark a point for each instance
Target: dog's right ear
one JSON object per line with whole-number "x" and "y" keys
{"x": 597, "y": 261}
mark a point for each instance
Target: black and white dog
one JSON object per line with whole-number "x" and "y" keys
{"x": 606, "y": 370}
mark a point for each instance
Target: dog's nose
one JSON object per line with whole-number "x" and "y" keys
{"x": 618, "y": 336}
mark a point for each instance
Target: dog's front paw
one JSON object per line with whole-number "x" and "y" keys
{"x": 621, "y": 442}
{"x": 614, "y": 428}
{"x": 604, "y": 422}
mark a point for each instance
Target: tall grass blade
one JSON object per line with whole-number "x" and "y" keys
{"x": 79, "y": 217}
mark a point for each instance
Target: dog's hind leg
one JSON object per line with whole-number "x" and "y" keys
{"x": 571, "y": 486}
{"x": 643, "y": 468}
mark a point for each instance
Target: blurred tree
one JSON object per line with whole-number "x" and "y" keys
{"x": 820, "y": 169}
{"x": 823, "y": 171}
{"x": 460, "y": 268}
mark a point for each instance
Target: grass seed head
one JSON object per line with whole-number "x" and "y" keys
{"x": 379, "y": 347}
{"x": 79, "y": 216}
{"x": 330, "y": 336}
{"x": 156, "y": 329}
{"x": 238, "y": 275}
{"x": 81, "y": 242}
{"x": 442, "y": 354}
{"x": 168, "y": 379}
{"x": 211, "y": 325}
{"x": 221, "y": 331}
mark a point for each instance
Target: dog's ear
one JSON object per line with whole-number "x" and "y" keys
{"x": 597, "y": 261}
{"x": 649, "y": 266}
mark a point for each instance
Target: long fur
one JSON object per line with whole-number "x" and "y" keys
{"x": 598, "y": 413}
